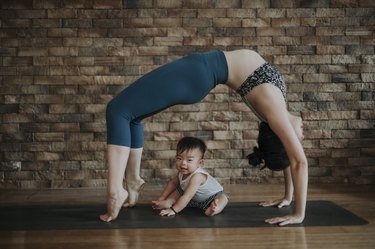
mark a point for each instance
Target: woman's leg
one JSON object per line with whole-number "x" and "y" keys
{"x": 133, "y": 180}
{"x": 184, "y": 81}
{"x": 117, "y": 157}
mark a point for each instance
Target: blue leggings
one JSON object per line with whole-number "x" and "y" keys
{"x": 185, "y": 81}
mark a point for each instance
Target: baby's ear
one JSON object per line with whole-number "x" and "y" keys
{"x": 201, "y": 162}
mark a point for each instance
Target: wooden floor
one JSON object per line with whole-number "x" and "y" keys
{"x": 358, "y": 199}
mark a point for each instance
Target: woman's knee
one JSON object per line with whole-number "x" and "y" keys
{"x": 114, "y": 111}
{"x": 110, "y": 110}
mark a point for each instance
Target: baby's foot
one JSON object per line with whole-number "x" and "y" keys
{"x": 212, "y": 209}
{"x": 134, "y": 189}
{"x": 217, "y": 205}
{"x": 114, "y": 204}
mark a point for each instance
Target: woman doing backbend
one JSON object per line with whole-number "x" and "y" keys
{"x": 186, "y": 81}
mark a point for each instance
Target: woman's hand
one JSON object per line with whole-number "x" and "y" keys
{"x": 286, "y": 220}
{"x": 283, "y": 202}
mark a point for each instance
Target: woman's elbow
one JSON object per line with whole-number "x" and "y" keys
{"x": 299, "y": 165}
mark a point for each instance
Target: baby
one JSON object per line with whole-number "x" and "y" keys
{"x": 192, "y": 186}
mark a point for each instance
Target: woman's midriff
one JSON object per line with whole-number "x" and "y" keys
{"x": 241, "y": 64}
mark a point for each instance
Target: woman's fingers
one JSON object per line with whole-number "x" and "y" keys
{"x": 279, "y": 203}
{"x": 285, "y": 220}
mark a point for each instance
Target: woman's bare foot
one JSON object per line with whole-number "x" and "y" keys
{"x": 217, "y": 205}
{"x": 134, "y": 189}
{"x": 114, "y": 204}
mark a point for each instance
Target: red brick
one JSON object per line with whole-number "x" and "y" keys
{"x": 107, "y": 4}
{"x": 255, "y": 4}
{"x": 65, "y": 127}
{"x": 62, "y": 63}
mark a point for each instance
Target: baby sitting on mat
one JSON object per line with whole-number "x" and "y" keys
{"x": 192, "y": 186}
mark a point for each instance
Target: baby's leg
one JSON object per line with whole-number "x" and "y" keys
{"x": 167, "y": 203}
{"x": 217, "y": 205}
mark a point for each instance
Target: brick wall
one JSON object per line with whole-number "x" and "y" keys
{"x": 62, "y": 61}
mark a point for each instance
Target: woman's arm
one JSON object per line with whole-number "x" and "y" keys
{"x": 298, "y": 169}
{"x": 269, "y": 102}
{"x": 288, "y": 194}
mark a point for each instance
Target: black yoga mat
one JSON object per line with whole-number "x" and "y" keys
{"x": 244, "y": 214}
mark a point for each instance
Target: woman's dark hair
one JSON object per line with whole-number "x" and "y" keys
{"x": 189, "y": 143}
{"x": 271, "y": 151}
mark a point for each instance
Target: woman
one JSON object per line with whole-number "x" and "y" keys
{"x": 186, "y": 81}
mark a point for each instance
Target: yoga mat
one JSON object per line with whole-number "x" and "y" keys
{"x": 243, "y": 214}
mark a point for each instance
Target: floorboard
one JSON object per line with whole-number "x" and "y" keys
{"x": 357, "y": 199}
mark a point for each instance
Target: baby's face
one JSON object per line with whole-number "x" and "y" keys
{"x": 188, "y": 161}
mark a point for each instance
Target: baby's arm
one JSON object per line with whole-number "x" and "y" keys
{"x": 169, "y": 188}
{"x": 192, "y": 187}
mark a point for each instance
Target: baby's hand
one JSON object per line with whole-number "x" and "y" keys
{"x": 167, "y": 212}
{"x": 156, "y": 205}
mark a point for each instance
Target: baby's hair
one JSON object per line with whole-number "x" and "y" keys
{"x": 190, "y": 143}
